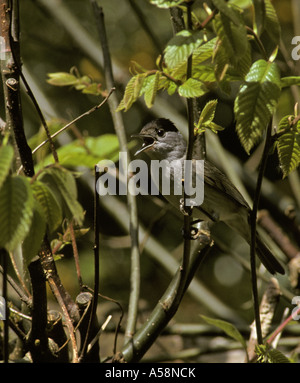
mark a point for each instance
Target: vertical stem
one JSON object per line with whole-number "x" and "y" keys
{"x": 187, "y": 218}
{"x": 96, "y": 267}
{"x": 113, "y": 103}
{"x": 253, "y": 218}
{"x": 9, "y": 22}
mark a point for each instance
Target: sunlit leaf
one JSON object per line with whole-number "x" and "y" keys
{"x": 151, "y": 89}
{"x": 288, "y": 144}
{"x": 132, "y": 92}
{"x": 181, "y": 46}
{"x": 62, "y": 79}
{"x": 272, "y": 25}
{"x": 256, "y": 102}
{"x": 289, "y": 81}
{"x": 191, "y": 88}
{"x": 16, "y": 211}
{"x": 167, "y": 3}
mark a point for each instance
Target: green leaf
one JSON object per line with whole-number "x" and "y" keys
{"x": 16, "y": 211}
{"x": 288, "y": 145}
{"x": 221, "y": 61}
{"x": 289, "y": 81}
{"x": 272, "y": 25}
{"x": 48, "y": 203}
{"x": 191, "y": 88}
{"x": 204, "y": 51}
{"x": 104, "y": 146}
{"x": 6, "y": 157}
{"x": 256, "y": 102}
{"x": 150, "y": 90}
{"x": 259, "y": 16}
{"x": 86, "y": 153}
{"x": 234, "y": 37}
{"x": 208, "y": 113}
{"x": 226, "y": 10}
{"x": 181, "y": 46}
{"x": 204, "y": 73}
{"x": 215, "y": 127}
{"x": 132, "y": 92}
{"x": 267, "y": 354}
{"x": 241, "y": 3}
{"x": 34, "y": 238}
{"x": 62, "y": 79}
{"x": 206, "y": 118}
{"x": 266, "y": 21}
{"x": 201, "y": 54}
{"x": 228, "y": 328}
{"x": 167, "y": 3}
{"x": 62, "y": 183}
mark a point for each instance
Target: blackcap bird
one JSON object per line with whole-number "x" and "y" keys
{"x": 222, "y": 201}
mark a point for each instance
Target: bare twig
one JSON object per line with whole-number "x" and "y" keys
{"x": 24, "y": 298}
{"x": 92, "y": 317}
{"x": 253, "y": 217}
{"x": 187, "y": 217}
{"x": 75, "y": 254}
{"x": 165, "y": 309}
{"x": 16, "y": 270}
{"x": 93, "y": 109}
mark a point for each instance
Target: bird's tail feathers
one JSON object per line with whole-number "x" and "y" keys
{"x": 267, "y": 258}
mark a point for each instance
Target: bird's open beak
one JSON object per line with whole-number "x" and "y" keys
{"x": 148, "y": 142}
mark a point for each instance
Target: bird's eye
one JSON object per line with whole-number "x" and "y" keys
{"x": 160, "y": 132}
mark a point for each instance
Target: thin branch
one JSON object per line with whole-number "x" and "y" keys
{"x": 40, "y": 114}
{"x": 67, "y": 319}
{"x": 92, "y": 317}
{"x": 187, "y": 217}
{"x": 283, "y": 325}
{"x": 87, "y": 113}
{"x": 17, "y": 272}
{"x": 253, "y": 218}
{"x": 165, "y": 309}
{"x": 131, "y": 200}
{"x": 23, "y": 297}
{"x": 75, "y": 254}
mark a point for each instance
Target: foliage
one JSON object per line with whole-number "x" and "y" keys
{"x": 223, "y": 52}
{"x": 221, "y": 59}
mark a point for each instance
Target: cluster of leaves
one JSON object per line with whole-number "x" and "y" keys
{"x": 30, "y": 208}
{"x": 73, "y": 79}
{"x": 221, "y": 53}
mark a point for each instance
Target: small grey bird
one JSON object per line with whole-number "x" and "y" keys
{"x": 222, "y": 201}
